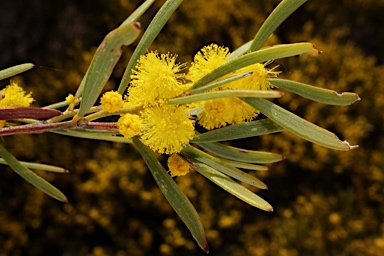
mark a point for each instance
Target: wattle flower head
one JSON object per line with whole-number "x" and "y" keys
{"x": 156, "y": 77}
{"x": 167, "y": 128}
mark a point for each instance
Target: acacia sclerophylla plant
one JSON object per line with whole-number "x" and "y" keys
{"x": 222, "y": 92}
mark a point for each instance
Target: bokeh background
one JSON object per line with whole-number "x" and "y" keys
{"x": 326, "y": 202}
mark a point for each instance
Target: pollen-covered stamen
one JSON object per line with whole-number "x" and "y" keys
{"x": 15, "y": 96}
{"x": 167, "y": 128}
{"x": 156, "y": 78}
{"x": 208, "y": 59}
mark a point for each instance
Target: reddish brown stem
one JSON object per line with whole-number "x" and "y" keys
{"x": 46, "y": 127}
{"x": 36, "y": 128}
{"x": 30, "y": 112}
{"x": 101, "y": 126}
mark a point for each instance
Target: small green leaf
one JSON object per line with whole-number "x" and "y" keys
{"x": 315, "y": 93}
{"x": 228, "y": 169}
{"x": 149, "y": 36}
{"x": 37, "y": 166}
{"x": 298, "y": 125}
{"x": 225, "y": 94}
{"x": 174, "y": 195}
{"x": 278, "y": 15}
{"x": 241, "y": 155}
{"x": 239, "y": 131}
{"x": 103, "y": 63}
{"x": 265, "y": 54}
{"x": 15, "y": 70}
{"x": 233, "y": 187}
{"x": 31, "y": 177}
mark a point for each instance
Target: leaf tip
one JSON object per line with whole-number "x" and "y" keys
{"x": 206, "y": 248}
{"x": 137, "y": 25}
{"x": 247, "y": 74}
{"x": 270, "y": 209}
{"x": 313, "y": 51}
{"x": 350, "y": 146}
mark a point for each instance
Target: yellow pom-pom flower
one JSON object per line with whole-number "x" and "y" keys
{"x": 111, "y": 102}
{"x": 15, "y": 96}
{"x": 205, "y": 61}
{"x": 257, "y": 80}
{"x": 156, "y": 78}
{"x": 177, "y": 165}
{"x": 129, "y": 125}
{"x": 221, "y": 112}
{"x": 72, "y": 99}
{"x": 167, "y": 128}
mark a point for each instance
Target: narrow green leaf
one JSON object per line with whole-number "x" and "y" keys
{"x": 57, "y": 105}
{"x": 233, "y": 187}
{"x": 138, "y": 12}
{"x": 298, "y": 125}
{"x": 228, "y": 169}
{"x": 315, "y": 93}
{"x": 149, "y": 36}
{"x": 265, "y": 54}
{"x": 93, "y": 136}
{"x": 103, "y": 62}
{"x": 239, "y": 131}
{"x": 246, "y": 166}
{"x": 176, "y": 198}
{"x": 225, "y": 94}
{"x": 37, "y": 166}
{"x": 278, "y": 15}
{"x": 240, "y": 51}
{"x": 12, "y": 71}
{"x": 220, "y": 82}
{"x": 31, "y": 177}
{"x": 241, "y": 155}
{"x": 80, "y": 89}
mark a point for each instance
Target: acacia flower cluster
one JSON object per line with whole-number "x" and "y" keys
{"x": 167, "y": 128}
